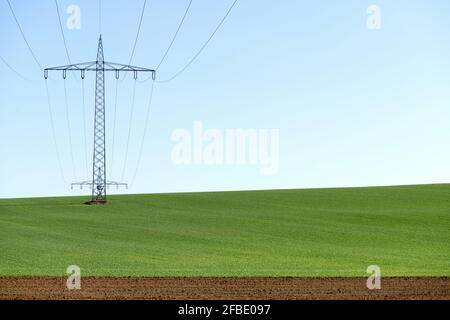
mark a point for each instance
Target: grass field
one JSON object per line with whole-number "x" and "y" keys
{"x": 321, "y": 232}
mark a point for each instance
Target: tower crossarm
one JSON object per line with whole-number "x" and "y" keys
{"x": 90, "y": 184}
{"x": 123, "y": 67}
{"x": 78, "y": 66}
{"x": 94, "y": 66}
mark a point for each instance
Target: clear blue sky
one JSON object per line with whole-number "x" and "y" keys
{"x": 355, "y": 107}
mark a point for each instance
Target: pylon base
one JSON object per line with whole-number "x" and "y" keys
{"x": 95, "y": 202}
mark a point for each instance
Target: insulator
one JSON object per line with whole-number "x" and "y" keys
{"x": 46, "y": 74}
{"x": 135, "y": 75}
{"x": 153, "y": 75}
{"x": 64, "y": 74}
{"x": 83, "y": 74}
{"x": 117, "y": 74}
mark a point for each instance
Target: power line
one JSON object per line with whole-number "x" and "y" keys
{"x": 64, "y": 37}
{"x": 202, "y": 47}
{"x": 14, "y": 70}
{"x": 62, "y": 32}
{"x": 24, "y": 38}
{"x": 138, "y": 32}
{"x": 69, "y": 130}
{"x": 52, "y": 125}
{"x": 137, "y": 38}
{"x": 114, "y": 128}
{"x": 141, "y": 148}
{"x": 84, "y": 128}
{"x": 175, "y": 35}
{"x": 23, "y": 35}
{"x": 129, "y": 131}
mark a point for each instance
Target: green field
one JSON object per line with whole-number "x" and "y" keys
{"x": 315, "y": 232}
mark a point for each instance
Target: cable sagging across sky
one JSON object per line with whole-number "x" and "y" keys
{"x": 23, "y": 36}
{"x": 202, "y": 47}
{"x": 141, "y": 148}
{"x": 14, "y": 70}
{"x": 52, "y": 125}
{"x": 175, "y": 35}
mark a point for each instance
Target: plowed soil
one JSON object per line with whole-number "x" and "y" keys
{"x": 54, "y": 288}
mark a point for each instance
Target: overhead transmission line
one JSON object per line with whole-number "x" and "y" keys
{"x": 134, "y": 87}
{"x": 52, "y": 125}
{"x": 65, "y": 93}
{"x": 141, "y": 148}
{"x": 46, "y": 87}
{"x": 62, "y": 32}
{"x": 69, "y": 130}
{"x": 114, "y": 129}
{"x": 138, "y": 32}
{"x": 172, "y": 42}
{"x": 203, "y": 46}
{"x": 14, "y": 70}
{"x": 64, "y": 38}
{"x": 175, "y": 35}
{"x": 129, "y": 130}
{"x": 136, "y": 38}
{"x": 84, "y": 127}
{"x": 23, "y": 36}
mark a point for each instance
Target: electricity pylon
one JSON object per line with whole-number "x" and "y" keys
{"x": 99, "y": 183}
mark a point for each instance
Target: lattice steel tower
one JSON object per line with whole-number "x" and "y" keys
{"x": 99, "y": 183}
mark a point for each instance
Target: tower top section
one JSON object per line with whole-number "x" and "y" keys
{"x": 100, "y": 57}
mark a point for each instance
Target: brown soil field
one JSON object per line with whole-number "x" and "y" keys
{"x": 54, "y": 288}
